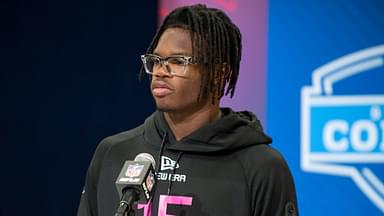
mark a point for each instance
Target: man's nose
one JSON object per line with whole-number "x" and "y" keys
{"x": 161, "y": 70}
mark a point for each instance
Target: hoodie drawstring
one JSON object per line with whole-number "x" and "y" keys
{"x": 173, "y": 172}
{"x": 157, "y": 169}
{"x": 158, "y": 164}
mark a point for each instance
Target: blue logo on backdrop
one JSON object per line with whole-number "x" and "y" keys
{"x": 343, "y": 134}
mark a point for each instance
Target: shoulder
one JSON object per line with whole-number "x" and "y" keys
{"x": 109, "y": 142}
{"x": 105, "y": 146}
{"x": 263, "y": 162}
{"x": 261, "y": 156}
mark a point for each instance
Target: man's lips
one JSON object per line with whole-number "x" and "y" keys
{"x": 160, "y": 89}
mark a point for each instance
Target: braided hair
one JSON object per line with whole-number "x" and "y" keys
{"x": 216, "y": 43}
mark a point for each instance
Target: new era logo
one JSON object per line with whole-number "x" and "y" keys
{"x": 168, "y": 164}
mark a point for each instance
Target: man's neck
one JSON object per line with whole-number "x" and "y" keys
{"x": 183, "y": 124}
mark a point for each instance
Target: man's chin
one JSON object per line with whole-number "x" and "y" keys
{"x": 164, "y": 108}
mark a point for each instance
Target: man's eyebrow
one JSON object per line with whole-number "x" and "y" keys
{"x": 173, "y": 54}
{"x": 180, "y": 54}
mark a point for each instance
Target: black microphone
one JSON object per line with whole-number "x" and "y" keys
{"x": 135, "y": 182}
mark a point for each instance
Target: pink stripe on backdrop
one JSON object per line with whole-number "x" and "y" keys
{"x": 251, "y": 17}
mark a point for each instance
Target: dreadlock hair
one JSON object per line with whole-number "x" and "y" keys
{"x": 216, "y": 44}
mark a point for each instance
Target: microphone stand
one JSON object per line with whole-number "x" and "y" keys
{"x": 126, "y": 202}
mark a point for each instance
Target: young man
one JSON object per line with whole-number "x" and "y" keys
{"x": 210, "y": 160}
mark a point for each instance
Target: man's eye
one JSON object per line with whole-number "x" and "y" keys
{"x": 176, "y": 61}
{"x": 154, "y": 60}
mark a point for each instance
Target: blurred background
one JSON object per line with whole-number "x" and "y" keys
{"x": 69, "y": 77}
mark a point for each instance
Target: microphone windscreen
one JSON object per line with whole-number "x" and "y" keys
{"x": 146, "y": 157}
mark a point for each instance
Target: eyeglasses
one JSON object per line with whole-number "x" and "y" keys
{"x": 175, "y": 65}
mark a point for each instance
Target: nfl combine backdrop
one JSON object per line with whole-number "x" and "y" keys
{"x": 326, "y": 102}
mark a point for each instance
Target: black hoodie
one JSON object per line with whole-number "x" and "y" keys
{"x": 224, "y": 168}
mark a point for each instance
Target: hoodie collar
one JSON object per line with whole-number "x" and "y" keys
{"x": 233, "y": 131}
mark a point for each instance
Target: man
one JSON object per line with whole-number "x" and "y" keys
{"x": 210, "y": 160}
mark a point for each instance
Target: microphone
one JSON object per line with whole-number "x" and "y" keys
{"x": 135, "y": 182}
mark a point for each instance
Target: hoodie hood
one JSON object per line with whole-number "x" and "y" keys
{"x": 233, "y": 131}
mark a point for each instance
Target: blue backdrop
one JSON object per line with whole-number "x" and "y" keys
{"x": 68, "y": 77}
{"x": 325, "y": 102}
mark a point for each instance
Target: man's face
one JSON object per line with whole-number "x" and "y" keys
{"x": 176, "y": 93}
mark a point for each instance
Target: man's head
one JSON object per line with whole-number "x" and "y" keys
{"x": 211, "y": 40}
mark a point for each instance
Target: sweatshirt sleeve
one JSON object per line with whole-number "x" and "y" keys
{"x": 272, "y": 186}
{"x": 88, "y": 200}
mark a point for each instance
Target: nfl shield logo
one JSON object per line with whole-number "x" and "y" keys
{"x": 134, "y": 170}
